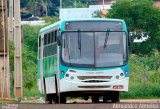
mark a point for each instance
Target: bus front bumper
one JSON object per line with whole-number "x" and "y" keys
{"x": 118, "y": 85}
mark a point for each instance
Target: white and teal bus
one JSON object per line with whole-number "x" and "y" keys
{"x": 83, "y": 58}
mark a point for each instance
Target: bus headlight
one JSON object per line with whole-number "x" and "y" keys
{"x": 117, "y": 77}
{"x": 122, "y": 74}
{"x": 62, "y": 72}
{"x": 67, "y": 75}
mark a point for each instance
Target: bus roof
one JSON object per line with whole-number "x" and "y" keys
{"x": 55, "y": 25}
{"x": 48, "y": 28}
{"x": 93, "y": 19}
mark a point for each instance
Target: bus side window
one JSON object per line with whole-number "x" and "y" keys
{"x": 39, "y": 47}
{"x": 49, "y": 38}
{"x": 39, "y": 41}
{"x": 55, "y": 36}
{"x": 45, "y": 39}
{"x": 52, "y": 39}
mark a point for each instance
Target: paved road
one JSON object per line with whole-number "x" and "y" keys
{"x": 124, "y": 104}
{"x": 73, "y": 101}
{"x": 122, "y": 101}
{"x": 84, "y": 106}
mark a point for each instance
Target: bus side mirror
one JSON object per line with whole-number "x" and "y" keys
{"x": 129, "y": 38}
{"x": 59, "y": 41}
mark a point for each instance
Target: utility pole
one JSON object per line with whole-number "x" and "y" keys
{"x": 11, "y": 19}
{"x": 4, "y": 52}
{"x": 18, "y": 92}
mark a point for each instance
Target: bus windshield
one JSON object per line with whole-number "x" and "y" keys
{"x": 94, "y": 49}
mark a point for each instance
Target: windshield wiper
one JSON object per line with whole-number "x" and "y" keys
{"x": 106, "y": 39}
{"x": 79, "y": 41}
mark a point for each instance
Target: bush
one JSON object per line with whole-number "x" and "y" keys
{"x": 29, "y": 59}
{"x": 144, "y": 77}
{"x": 138, "y": 90}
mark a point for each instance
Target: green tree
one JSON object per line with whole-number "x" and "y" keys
{"x": 23, "y": 3}
{"x": 74, "y": 4}
{"x": 141, "y": 17}
{"x": 39, "y": 6}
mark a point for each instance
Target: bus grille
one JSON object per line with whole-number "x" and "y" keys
{"x": 94, "y": 77}
{"x": 94, "y": 86}
{"x": 94, "y": 81}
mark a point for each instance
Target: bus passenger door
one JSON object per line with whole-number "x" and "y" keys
{"x": 41, "y": 64}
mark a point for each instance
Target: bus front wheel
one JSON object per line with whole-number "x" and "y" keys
{"x": 48, "y": 98}
{"x": 116, "y": 98}
{"x": 111, "y": 97}
{"x": 95, "y": 99}
{"x": 63, "y": 99}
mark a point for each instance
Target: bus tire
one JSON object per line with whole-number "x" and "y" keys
{"x": 55, "y": 98}
{"x": 48, "y": 98}
{"x": 63, "y": 99}
{"x": 105, "y": 99}
{"x": 95, "y": 99}
{"x": 116, "y": 98}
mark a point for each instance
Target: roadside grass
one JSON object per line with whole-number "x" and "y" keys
{"x": 142, "y": 91}
{"x": 34, "y": 92}
{"x": 144, "y": 77}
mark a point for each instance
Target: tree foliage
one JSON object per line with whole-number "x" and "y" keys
{"x": 53, "y": 5}
{"x": 74, "y": 4}
{"x": 141, "y": 17}
{"x": 38, "y": 7}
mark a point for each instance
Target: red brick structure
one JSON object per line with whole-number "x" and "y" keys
{"x": 103, "y": 13}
